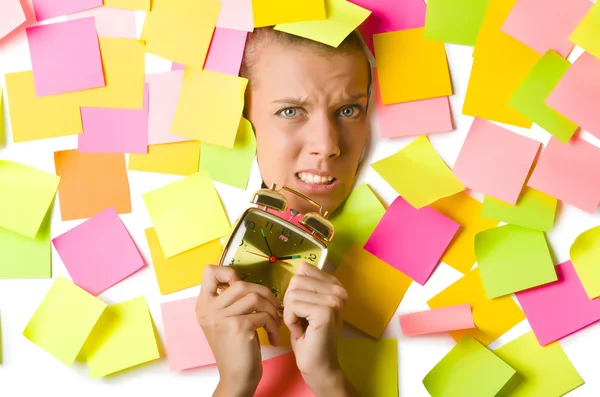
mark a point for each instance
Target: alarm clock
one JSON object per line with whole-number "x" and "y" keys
{"x": 265, "y": 248}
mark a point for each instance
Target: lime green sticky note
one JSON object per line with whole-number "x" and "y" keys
{"x": 371, "y": 365}
{"x": 585, "y": 256}
{"x": 419, "y": 174}
{"x": 64, "y": 320}
{"x": 587, "y": 33}
{"x": 125, "y": 337}
{"x": 26, "y": 196}
{"x": 513, "y": 258}
{"x": 231, "y": 166}
{"x": 469, "y": 369}
{"x": 542, "y": 371}
{"x": 342, "y": 18}
{"x": 529, "y": 99}
{"x": 534, "y": 210}
{"x": 454, "y": 21}
{"x": 2, "y": 132}
{"x": 187, "y": 213}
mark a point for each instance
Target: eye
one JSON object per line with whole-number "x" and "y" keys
{"x": 350, "y": 111}
{"x": 289, "y": 113}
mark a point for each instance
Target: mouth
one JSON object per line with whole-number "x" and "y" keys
{"x": 315, "y": 183}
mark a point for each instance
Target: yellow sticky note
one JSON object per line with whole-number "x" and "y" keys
{"x": 419, "y": 174}
{"x": 492, "y": 317}
{"x": 464, "y": 210}
{"x": 142, "y": 5}
{"x": 587, "y": 33}
{"x": 64, "y": 320}
{"x": 375, "y": 290}
{"x": 210, "y": 107}
{"x": 181, "y": 30}
{"x": 2, "y": 133}
{"x": 180, "y": 158}
{"x": 124, "y": 337}
{"x": 409, "y": 67}
{"x": 342, "y": 18}
{"x": 187, "y": 213}
{"x": 585, "y": 255}
{"x": 273, "y": 12}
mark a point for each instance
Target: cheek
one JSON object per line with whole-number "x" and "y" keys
{"x": 277, "y": 153}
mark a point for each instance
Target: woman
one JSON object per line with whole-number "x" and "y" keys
{"x": 308, "y": 105}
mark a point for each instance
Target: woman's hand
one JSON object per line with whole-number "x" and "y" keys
{"x": 229, "y": 321}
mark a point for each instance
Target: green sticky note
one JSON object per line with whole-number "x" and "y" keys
{"x": 231, "y": 166}
{"x": 469, "y": 369}
{"x": 371, "y": 365}
{"x": 2, "y": 132}
{"x": 513, "y": 258}
{"x": 454, "y": 21}
{"x": 541, "y": 371}
{"x": 26, "y": 196}
{"x": 587, "y": 33}
{"x": 64, "y": 320}
{"x": 585, "y": 256}
{"x": 534, "y": 210}
{"x": 529, "y": 99}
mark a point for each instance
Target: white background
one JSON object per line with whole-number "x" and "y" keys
{"x": 28, "y": 370}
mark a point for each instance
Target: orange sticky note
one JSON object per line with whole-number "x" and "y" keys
{"x": 180, "y": 158}
{"x": 444, "y": 319}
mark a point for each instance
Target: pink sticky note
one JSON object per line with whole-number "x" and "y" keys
{"x": 11, "y": 16}
{"x": 560, "y": 308}
{"x": 577, "y": 94}
{"x": 412, "y": 240}
{"x": 177, "y": 66}
{"x": 46, "y": 9}
{"x": 99, "y": 252}
{"x": 164, "y": 95}
{"x": 185, "y": 343}
{"x": 388, "y": 16}
{"x": 111, "y": 22}
{"x": 236, "y": 14}
{"x": 570, "y": 172}
{"x": 451, "y": 318}
{"x": 226, "y": 51}
{"x": 495, "y": 161}
{"x": 65, "y": 57}
{"x": 115, "y": 130}
{"x": 282, "y": 378}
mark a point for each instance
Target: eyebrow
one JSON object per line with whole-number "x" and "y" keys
{"x": 303, "y": 102}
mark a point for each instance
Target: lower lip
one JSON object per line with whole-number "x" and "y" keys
{"x": 317, "y": 188}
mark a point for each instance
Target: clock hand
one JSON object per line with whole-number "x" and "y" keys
{"x": 265, "y": 237}
{"x": 271, "y": 258}
{"x": 289, "y": 257}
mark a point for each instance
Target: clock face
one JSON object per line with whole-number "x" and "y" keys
{"x": 267, "y": 251}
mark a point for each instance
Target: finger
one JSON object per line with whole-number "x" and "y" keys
{"x": 214, "y": 276}
{"x": 333, "y": 301}
{"x": 242, "y": 288}
{"x": 251, "y": 303}
{"x": 266, "y": 321}
{"x": 314, "y": 272}
{"x": 308, "y": 283}
{"x": 317, "y": 315}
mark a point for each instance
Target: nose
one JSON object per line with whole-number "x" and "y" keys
{"x": 323, "y": 138}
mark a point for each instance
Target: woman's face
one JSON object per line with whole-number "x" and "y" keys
{"x": 309, "y": 112}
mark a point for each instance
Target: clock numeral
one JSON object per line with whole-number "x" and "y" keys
{"x": 250, "y": 225}
{"x": 274, "y": 291}
{"x": 312, "y": 257}
{"x": 241, "y": 243}
{"x": 286, "y": 232}
{"x": 232, "y": 262}
{"x": 245, "y": 276}
{"x": 301, "y": 241}
{"x": 270, "y": 225}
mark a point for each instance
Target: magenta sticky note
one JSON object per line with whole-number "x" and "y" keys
{"x": 560, "y": 308}
{"x": 111, "y": 22}
{"x": 569, "y": 172}
{"x": 577, "y": 94}
{"x": 65, "y": 57}
{"x": 282, "y": 378}
{"x": 115, "y": 130}
{"x": 185, "y": 343}
{"x": 495, "y": 161}
{"x": 11, "y": 16}
{"x": 236, "y": 14}
{"x": 412, "y": 240}
{"x": 46, "y": 9}
{"x": 226, "y": 51}
{"x": 450, "y": 318}
{"x": 99, "y": 252}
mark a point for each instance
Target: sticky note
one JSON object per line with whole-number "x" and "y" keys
{"x": 164, "y": 89}
{"x": 64, "y": 319}
{"x": 239, "y": 158}
{"x": 186, "y": 214}
{"x": 425, "y": 177}
{"x": 179, "y": 158}
{"x": 281, "y": 377}
{"x": 534, "y": 210}
{"x": 584, "y": 254}
{"x": 585, "y": 34}
{"x": 273, "y": 12}
{"x": 124, "y": 337}
{"x": 226, "y": 51}
{"x": 11, "y": 16}
{"x": 444, "y": 319}
{"x": 65, "y": 57}
{"x": 492, "y": 317}
{"x": 412, "y": 240}
{"x": 464, "y": 210}
{"x": 181, "y": 31}
{"x": 236, "y": 14}
{"x": 577, "y": 91}
{"x": 46, "y": 9}
{"x": 111, "y": 22}
{"x": 529, "y": 98}
{"x": 342, "y": 18}
{"x": 543, "y": 371}
{"x": 142, "y": 5}
{"x": 91, "y": 182}
{"x": 468, "y": 369}
{"x": 495, "y": 161}
{"x": 513, "y": 258}
{"x": 210, "y": 107}
{"x": 361, "y": 273}
{"x": 2, "y": 132}
{"x": 99, "y": 252}
{"x": 0, "y": 341}
{"x": 454, "y": 21}
{"x": 409, "y": 67}
{"x": 570, "y": 172}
